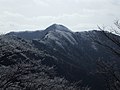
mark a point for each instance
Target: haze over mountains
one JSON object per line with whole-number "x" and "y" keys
{"x": 74, "y": 54}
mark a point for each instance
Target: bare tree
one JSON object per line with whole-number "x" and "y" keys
{"x": 110, "y": 70}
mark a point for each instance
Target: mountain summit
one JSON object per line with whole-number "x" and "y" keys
{"x": 57, "y": 27}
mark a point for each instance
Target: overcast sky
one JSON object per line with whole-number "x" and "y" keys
{"x": 78, "y": 15}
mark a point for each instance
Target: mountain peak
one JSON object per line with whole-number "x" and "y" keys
{"x": 57, "y": 27}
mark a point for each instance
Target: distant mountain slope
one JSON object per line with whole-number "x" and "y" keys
{"x": 17, "y": 49}
{"x": 75, "y": 54}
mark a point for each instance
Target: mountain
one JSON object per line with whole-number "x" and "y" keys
{"x": 74, "y": 54}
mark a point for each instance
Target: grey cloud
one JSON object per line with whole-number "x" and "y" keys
{"x": 76, "y": 14}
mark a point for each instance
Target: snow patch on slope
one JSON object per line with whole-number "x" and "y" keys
{"x": 68, "y": 36}
{"x": 94, "y": 46}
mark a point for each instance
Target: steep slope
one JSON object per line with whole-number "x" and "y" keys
{"x": 74, "y": 52}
